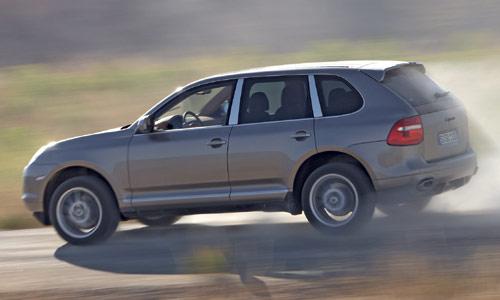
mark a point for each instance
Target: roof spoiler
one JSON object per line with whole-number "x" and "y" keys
{"x": 377, "y": 70}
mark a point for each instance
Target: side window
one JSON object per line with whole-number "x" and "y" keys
{"x": 337, "y": 96}
{"x": 207, "y": 105}
{"x": 274, "y": 99}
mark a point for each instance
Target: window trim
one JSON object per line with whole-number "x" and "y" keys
{"x": 235, "y": 106}
{"x": 316, "y": 104}
{"x": 274, "y": 122}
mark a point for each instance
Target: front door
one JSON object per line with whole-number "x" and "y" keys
{"x": 184, "y": 160}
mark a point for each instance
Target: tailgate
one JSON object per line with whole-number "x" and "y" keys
{"x": 445, "y": 133}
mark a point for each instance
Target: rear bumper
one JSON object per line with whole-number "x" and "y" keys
{"x": 435, "y": 178}
{"x": 403, "y": 168}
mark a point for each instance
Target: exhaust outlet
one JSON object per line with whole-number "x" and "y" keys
{"x": 426, "y": 184}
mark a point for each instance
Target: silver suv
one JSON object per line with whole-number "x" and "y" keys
{"x": 331, "y": 139}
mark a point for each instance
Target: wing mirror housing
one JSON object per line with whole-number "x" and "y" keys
{"x": 145, "y": 124}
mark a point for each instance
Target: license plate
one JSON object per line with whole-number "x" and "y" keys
{"x": 448, "y": 137}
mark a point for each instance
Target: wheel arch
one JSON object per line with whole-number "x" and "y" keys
{"x": 67, "y": 172}
{"x": 317, "y": 160}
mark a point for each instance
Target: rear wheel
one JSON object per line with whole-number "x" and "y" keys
{"x": 412, "y": 207}
{"x": 159, "y": 221}
{"x": 338, "y": 197}
{"x": 83, "y": 210}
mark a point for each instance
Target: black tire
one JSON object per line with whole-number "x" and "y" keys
{"x": 412, "y": 207}
{"x": 162, "y": 221}
{"x": 348, "y": 196}
{"x": 84, "y": 202}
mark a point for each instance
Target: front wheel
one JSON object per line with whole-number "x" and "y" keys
{"x": 83, "y": 210}
{"x": 338, "y": 197}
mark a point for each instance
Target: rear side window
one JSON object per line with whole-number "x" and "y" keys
{"x": 275, "y": 99}
{"x": 337, "y": 96}
{"x": 411, "y": 84}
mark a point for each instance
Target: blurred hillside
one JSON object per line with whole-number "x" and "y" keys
{"x": 51, "y": 30}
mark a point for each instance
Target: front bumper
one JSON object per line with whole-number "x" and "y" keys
{"x": 35, "y": 178}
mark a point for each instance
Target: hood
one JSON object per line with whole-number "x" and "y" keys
{"x": 52, "y": 152}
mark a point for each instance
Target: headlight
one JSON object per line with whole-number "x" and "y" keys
{"x": 40, "y": 151}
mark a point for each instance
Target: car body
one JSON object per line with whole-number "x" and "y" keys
{"x": 266, "y": 139}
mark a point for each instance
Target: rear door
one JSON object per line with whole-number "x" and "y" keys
{"x": 274, "y": 132}
{"x": 443, "y": 116}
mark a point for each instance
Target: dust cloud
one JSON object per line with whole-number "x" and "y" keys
{"x": 477, "y": 84}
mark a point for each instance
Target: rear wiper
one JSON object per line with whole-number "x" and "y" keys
{"x": 441, "y": 94}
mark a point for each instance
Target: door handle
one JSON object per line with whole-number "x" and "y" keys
{"x": 216, "y": 142}
{"x": 300, "y": 135}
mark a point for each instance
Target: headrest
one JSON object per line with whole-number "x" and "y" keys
{"x": 293, "y": 94}
{"x": 335, "y": 95}
{"x": 258, "y": 102}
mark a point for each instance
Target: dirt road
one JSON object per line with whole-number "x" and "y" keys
{"x": 424, "y": 257}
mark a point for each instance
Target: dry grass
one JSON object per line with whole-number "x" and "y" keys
{"x": 43, "y": 103}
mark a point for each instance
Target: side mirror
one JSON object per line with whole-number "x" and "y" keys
{"x": 145, "y": 124}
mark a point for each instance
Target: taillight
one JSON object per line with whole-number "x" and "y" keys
{"x": 406, "y": 131}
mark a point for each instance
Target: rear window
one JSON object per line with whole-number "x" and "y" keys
{"x": 410, "y": 83}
